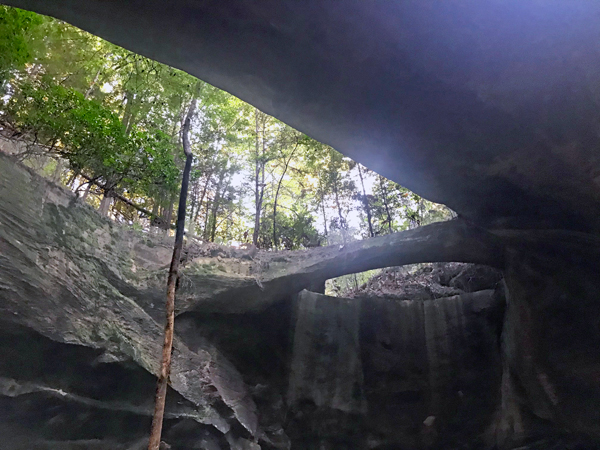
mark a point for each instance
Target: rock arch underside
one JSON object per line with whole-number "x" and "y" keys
{"x": 492, "y": 108}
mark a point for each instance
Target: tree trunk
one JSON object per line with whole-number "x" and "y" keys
{"x": 287, "y": 163}
{"x": 127, "y": 113}
{"x": 339, "y": 208}
{"x": 105, "y": 203}
{"x": 86, "y": 193}
{"x": 169, "y": 216}
{"x": 194, "y": 201}
{"x": 385, "y": 203}
{"x": 163, "y": 379}
{"x": 215, "y": 207}
{"x": 258, "y": 213}
{"x": 91, "y": 88}
{"x": 201, "y": 200}
{"x": 71, "y": 181}
{"x": 366, "y": 203}
{"x": 205, "y": 230}
{"x": 322, "y": 194}
{"x": 324, "y": 215}
{"x": 259, "y": 179}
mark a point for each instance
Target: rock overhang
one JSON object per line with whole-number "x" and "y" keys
{"x": 490, "y": 108}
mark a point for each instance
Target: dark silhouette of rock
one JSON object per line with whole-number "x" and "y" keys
{"x": 489, "y": 107}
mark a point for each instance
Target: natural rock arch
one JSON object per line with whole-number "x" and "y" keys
{"x": 490, "y": 108}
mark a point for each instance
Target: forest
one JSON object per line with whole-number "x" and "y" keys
{"x": 311, "y": 301}
{"x": 107, "y": 123}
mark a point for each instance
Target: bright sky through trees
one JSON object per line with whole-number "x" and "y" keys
{"x": 107, "y": 123}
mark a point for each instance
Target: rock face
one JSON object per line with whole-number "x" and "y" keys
{"x": 552, "y": 332}
{"x": 80, "y": 338}
{"x": 386, "y": 373}
{"x": 72, "y": 332}
{"x": 488, "y": 107}
{"x": 437, "y": 364}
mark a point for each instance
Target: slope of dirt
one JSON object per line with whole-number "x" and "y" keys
{"x": 428, "y": 281}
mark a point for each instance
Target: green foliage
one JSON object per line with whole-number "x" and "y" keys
{"x": 295, "y": 229}
{"x": 91, "y": 138}
{"x": 15, "y": 42}
{"x": 116, "y": 118}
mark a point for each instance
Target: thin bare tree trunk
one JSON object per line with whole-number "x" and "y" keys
{"x": 339, "y": 208}
{"x": 323, "y": 205}
{"x": 366, "y": 202}
{"x": 169, "y": 217}
{"x": 165, "y": 369}
{"x": 194, "y": 200}
{"x": 205, "y": 229}
{"x": 259, "y": 188}
{"x": 385, "y": 203}
{"x": 200, "y": 201}
{"x": 215, "y": 207}
{"x": 91, "y": 88}
{"x": 71, "y": 181}
{"x": 324, "y": 216}
{"x": 287, "y": 163}
{"x": 128, "y": 97}
{"x": 87, "y": 191}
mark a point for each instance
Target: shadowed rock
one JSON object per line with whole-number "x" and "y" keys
{"x": 59, "y": 265}
{"x": 488, "y": 107}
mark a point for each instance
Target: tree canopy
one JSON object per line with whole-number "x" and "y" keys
{"x": 107, "y": 123}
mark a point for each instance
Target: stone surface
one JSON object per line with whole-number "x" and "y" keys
{"x": 376, "y": 369}
{"x": 488, "y": 107}
{"x": 326, "y": 366}
{"x": 62, "y": 269}
{"x": 77, "y": 347}
{"x": 79, "y": 337}
{"x": 552, "y": 332}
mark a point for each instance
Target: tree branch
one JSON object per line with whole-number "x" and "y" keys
{"x": 125, "y": 200}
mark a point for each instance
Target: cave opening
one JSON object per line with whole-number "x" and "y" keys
{"x": 488, "y": 107}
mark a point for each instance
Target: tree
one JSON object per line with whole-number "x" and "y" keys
{"x": 260, "y": 161}
{"x": 91, "y": 138}
{"x": 17, "y": 29}
{"x": 364, "y": 199}
{"x": 387, "y": 208}
{"x": 109, "y": 124}
{"x": 161, "y": 388}
{"x": 342, "y": 190}
{"x": 287, "y": 151}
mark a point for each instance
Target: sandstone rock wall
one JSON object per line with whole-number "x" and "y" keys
{"x": 405, "y": 374}
{"x": 80, "y": 328}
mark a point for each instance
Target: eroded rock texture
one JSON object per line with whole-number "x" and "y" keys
{"x": 489, "y": 107}
{"x": 552, "y": 331}
{"x": 386, "y": 373}
{"x": 73, "y": 335}
{"x": 80, "y": 311}
{"x": 436, "y": 364}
